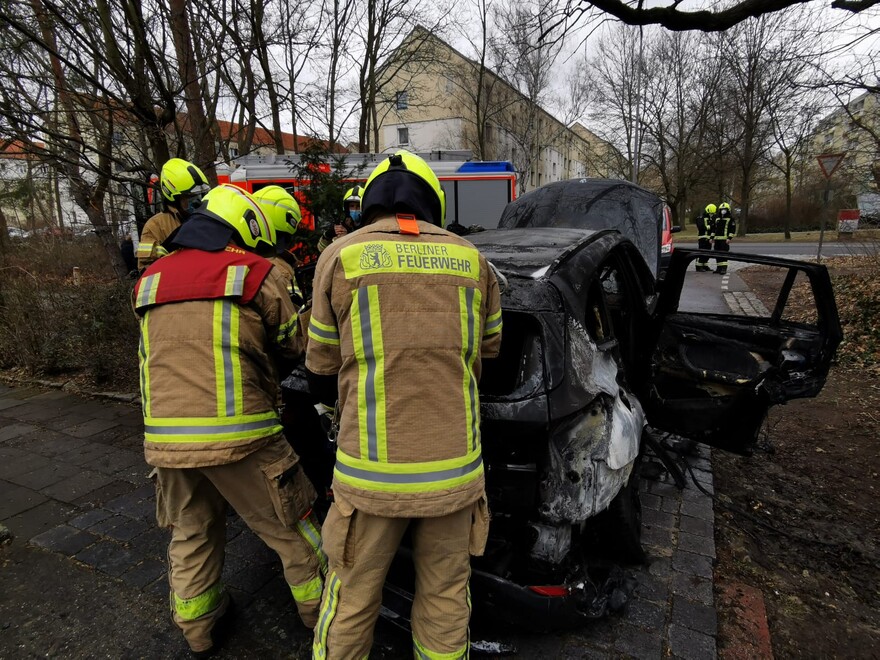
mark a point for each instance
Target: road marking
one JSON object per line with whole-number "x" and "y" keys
{"x": 725, "y": 282}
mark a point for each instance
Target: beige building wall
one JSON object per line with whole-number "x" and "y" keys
{"x": 853, "y": 133}
{"x": 433, "y": 106}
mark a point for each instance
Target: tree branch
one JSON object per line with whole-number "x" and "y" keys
{"x": 704, "y": 20}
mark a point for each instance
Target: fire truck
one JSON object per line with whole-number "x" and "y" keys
{"x": 476, "y": 191}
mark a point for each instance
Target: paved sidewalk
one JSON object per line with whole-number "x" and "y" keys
{"x": 85, "y": 574}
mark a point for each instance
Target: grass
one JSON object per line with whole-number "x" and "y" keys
{"x": 689, "y": 235}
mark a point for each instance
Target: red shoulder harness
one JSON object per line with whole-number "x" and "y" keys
{"x": 190, "y": 274}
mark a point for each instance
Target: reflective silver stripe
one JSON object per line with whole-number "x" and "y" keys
{"x": 469, "y": 365}
{"x": 363, "y": 298}
{"x": 410, "y": 478}
{"x": 226, "y": 347}
{"x": 146, "y": 290}
{"x": 214, "y": 428}
{"x": 236, "y": 286}
{"x": 329, "y": 612}
{"x": 491, "y": 325}
{"x": 308, "y": 529}
{"x": 142, "y": 351}
{"x": 326, "y": 334}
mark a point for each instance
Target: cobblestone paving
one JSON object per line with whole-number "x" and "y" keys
{"x": 73, "y": 483}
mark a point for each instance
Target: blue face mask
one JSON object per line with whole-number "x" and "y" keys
{"x": 354, "y": 215}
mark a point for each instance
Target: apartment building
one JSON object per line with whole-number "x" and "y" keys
{"x": 855, "y": 131}
{"x": 446, "y": 101}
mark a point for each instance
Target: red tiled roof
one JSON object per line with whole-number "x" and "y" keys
{"x": 19, "y": 149}
{"x": 263, "y": 138}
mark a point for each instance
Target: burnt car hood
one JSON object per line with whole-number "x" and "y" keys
{"x": 593, "y": 204}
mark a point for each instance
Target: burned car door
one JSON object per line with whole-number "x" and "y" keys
{"x": 714, "y": 375}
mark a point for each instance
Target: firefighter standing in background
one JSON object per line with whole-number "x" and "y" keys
{"x": 351, "y": 218}
{"x": 182, "y": 185}
{"x": 403, "y": 311}
{"x": 217, "y": 330}
{"x": 283, "y": 213}
{"x": 705, "y": 234}
{"x": 725, "y": 230}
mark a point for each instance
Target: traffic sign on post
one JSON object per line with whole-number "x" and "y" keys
{"x": 829, "y": 163}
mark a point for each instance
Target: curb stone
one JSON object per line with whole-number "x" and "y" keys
{"x": 69, "y": 386}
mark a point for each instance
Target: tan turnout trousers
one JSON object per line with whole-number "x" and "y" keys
{"x": 192, "y": 501}
{"x": 360, "y": 548}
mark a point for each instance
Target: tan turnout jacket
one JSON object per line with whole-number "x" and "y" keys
{"x": 156, "y": 230}
{"x": 405, "y": 320}
{"x": 208, "y": 378}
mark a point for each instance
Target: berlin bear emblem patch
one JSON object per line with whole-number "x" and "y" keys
{"x": 375, "y": 256}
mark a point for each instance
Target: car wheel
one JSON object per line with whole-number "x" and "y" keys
{"x": 616, "y": 533}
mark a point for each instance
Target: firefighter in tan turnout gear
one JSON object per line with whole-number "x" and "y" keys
{"x": 182, "y": 185}
{"x": 283, "y": 213}
{"x": 217, "y": 329}
{"x": 403, "y": 311}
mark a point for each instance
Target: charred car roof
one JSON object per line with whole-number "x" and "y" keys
{"x": 531, "y": 253}
{"x": 593, "y": 204}
{"x": 543, "y": 263}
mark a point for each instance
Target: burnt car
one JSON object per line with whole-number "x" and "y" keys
{"x": 592, "y": 352}
{"x": 596, "y": 204}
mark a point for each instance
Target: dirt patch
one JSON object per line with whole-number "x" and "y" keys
{"x": 800, "y": 519}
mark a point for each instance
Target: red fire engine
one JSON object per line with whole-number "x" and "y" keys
{"x": 476, "y": 191}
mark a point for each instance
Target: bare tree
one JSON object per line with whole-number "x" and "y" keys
{"x": 481, "y": 94}
{"x": 792, "y": 122}
{"x": 199, "y": 124}
{"x": 528, "y": 62}
{"x": 80, "y": 126}
{"x": 678, "y": 93}
{"x": 619, "y": 76}
{"x": 763, "y": 60}
{"x": 398, "y": 46}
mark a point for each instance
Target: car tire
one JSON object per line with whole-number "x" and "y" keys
{"x": 616, "y": 533}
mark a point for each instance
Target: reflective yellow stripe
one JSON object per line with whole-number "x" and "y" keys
{"x": 235, "y": 280}
{"x": 325, "y": 616}
{"x": 366, "y": 327}
{"x": 192, "y": 608}
{"x": 326, "y": 334}
{"x": 147, "y": 289}
{"x": 160, "y": 251}
{"x": 145, "y": 249}
{"x": 469, "y": 301}
{"x": 410, "y": 257}
{"x": 309, "y": 531}
{"x": 287, "y": 329}
{"x": 211, "y": 429}
{"x": 144, "y": 362}
{"x": 493, "y": 324}
{"x": 422, "y": 653}
{"x": 227, "y": 362}
{"x": 311, "y": 590}
{"x": 408, "y": 477}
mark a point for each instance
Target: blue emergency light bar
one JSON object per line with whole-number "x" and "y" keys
{"x": 486, "y": 167}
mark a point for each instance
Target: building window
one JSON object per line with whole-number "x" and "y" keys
{"x": 829, "y": 138}
{"x": 402, "y": 136}
{"x": 402, "y": 100}
{"x": 450, "y": 85}
{"x": 233, "y": 152}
